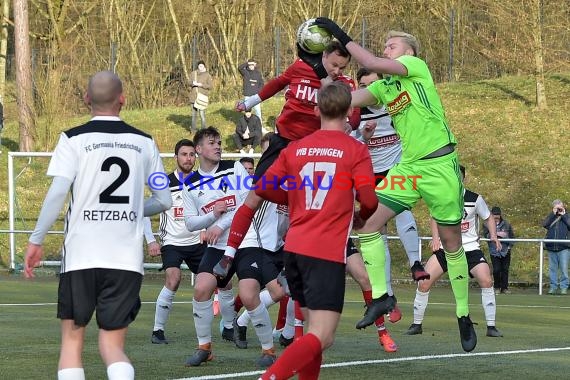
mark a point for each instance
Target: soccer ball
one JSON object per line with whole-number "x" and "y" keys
{"x": 312, "y": 38}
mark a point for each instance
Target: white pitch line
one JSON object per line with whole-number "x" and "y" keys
{"x": 380, "y": 361}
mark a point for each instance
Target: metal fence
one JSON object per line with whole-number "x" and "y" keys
{"x": 12, "y": 231}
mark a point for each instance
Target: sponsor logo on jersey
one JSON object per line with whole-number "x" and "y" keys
{"x": 464, "y": 226}
{"x": 178, "y": 212}
{"x": 230, "y": 201}
{"x": 283, "y": 209}
{"x": 200, "y": 193}
{"x": 383, "y": 141}
{"x": 398, "y": 104}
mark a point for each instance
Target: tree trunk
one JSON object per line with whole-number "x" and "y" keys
{"x": 180, "y": 42}
{"x": 4, "y": 48}
{"x": 24, "y": 76}
{"x": 538, "y": 57}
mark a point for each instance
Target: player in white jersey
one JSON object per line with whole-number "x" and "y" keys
{"x": 106, "y": 164}
{"x": 177, "y": 244}
{"x": 211, "y": 197}
{"x": 474, "y": 208}
{"x": 270, "y": 224}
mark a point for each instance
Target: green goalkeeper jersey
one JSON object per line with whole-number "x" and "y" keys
{"x": 414, "y": 105}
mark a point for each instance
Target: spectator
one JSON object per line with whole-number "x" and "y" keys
{"x": 202, "y": 83}
{"x": 252, "y": 82}
{"x": 557, "y": 227}
{"x": 248, "y": 132}
{"x": 501, "y": 258}
{"x": 248, "y": 164}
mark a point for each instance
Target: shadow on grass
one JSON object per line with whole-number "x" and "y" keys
{"x": 11, "y": 145}
{"x": 185, "y": 121}
{"x": 229, "y": 115}
{"x": 561, "y": 79}
{"x": 512, "y": 93}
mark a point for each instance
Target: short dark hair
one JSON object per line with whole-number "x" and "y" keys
{"x": 266, "y": 137}
{"x": 204, "y": 133}
{"x": 334, "y": 100}
{"x": 496, "y": 210}
{"x": 181, "y": 143}
{"x": 338, "y": 47}
{"x": 243, "y": 160}
{"x": 362, "y": 72}
{"x": 200, "y": 62}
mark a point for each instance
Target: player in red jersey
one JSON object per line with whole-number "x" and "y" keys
{"x": 321, "y": 174}
{"x": 297, "y": 120}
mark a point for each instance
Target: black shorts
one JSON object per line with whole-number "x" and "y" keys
{"x": 315, "y": 283}
{"x": 255, "y": 263}
{"x": 276, "y": 145}
{"x": 113, "y": 293}
{"x": 474, "y": 258}
{"x": 350, "y": 248}
{"x": 277, "y": 258}
{"x": 379, "y": 177}
{"x": 210, "y": 259}
{"x": 173, "y": 256}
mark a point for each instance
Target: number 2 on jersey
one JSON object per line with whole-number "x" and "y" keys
{"x": 106, "y": 195}
{"x": 321, "y": 183}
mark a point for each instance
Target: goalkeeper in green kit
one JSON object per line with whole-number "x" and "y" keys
{"x": 428, "y": 169}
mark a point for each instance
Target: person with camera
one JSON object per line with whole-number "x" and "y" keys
{"x": 557, "y": 228}
{"x": 500, "y": 258}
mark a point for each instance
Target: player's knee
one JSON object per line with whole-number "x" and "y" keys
{"x": 276, "y": 291}
{"x": 424, "y": 285}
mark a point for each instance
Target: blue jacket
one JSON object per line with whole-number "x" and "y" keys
{"x": 557, "y": 227}
{"x": 503, "y": 226}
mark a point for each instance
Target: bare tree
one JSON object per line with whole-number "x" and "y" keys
{"x": 4, "y": 48}
{"x": 537, "y": 7}
{"x": 24, "y": 76}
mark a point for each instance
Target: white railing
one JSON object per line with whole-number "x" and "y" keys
{"x": 12, "y": 232}
{"x": 11, "y": 192}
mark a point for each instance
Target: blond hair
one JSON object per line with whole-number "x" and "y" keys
{"x": 409, "y": 39}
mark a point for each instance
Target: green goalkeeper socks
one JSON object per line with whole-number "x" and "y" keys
{"x": 374, "y": 255}
{"x": 459, "y": 277}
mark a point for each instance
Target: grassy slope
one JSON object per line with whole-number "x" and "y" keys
{"x": 514, "y": 154}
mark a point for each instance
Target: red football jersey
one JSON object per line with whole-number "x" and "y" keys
{"x": 297, "y": 118}
{"x": 322, "y": 171}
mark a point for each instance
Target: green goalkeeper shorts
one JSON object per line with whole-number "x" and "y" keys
{"x": 436, "y": 180}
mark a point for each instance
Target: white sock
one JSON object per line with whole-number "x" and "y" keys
{"x": 388, "y": 267}
{"x": 266, "y": 301}
{"x": 289, "y": 328}
{"x": 262, "y": 325}
{"x": 121, "y": 371}
{"x": 420, "y": 304}
{"x": 226, "y": 299}
{"x": 203, "y": 316}
{"x": 408, "y": 233}
{"x": 163, "y": 308}
{"x": 489, "y": 305}
{"x": 265, "y": 298}
{"x": 71, "y": 374}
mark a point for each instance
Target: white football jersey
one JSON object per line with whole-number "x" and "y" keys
{"x": 109, "y": 163}
{"x": 384, "y": 145}
{"x": 473, "y": 209}
{"x": 172, "y": 228}
{"x": 228, "y": 183}
{"x": 268, "y": 228}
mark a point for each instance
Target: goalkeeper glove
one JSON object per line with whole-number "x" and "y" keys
{"x": 334, "y": 29}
